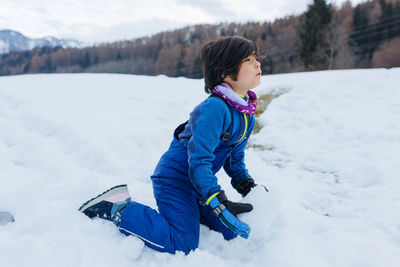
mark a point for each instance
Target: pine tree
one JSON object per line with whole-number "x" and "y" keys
{"x": 366, "y": 36}
{"x": 312, "y": 33}
{"x": 85, "y": 60}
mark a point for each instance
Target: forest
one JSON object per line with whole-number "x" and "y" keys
{"x": 323, "y": 37}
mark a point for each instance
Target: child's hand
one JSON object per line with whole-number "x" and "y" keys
{"x": 227, "y": 210}
{"x": 245, "y": 186}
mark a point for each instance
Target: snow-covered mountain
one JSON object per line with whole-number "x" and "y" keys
{"x": 11, "y": 41}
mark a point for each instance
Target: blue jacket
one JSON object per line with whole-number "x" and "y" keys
{"x": 199, "y": 152}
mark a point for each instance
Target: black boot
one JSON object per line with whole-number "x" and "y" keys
{"x": 108, "y": 205}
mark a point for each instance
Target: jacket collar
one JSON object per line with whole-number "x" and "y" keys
{"x": 244, "y": 105}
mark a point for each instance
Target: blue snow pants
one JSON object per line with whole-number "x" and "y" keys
{"x": 176, "y": 225}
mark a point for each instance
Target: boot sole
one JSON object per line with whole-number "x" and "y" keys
{"x": 114, "y": 194}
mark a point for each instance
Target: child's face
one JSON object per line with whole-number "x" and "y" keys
{"x": 248, "y": 77}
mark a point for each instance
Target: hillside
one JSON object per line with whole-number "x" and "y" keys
{"x": 328, "y": 151}
{"x": 364, "y": 36}
{"x": 12, "y": 41}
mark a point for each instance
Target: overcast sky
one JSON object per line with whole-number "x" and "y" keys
{"x": 111, "y": 20}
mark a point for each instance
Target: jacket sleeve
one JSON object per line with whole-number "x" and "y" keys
{"x": 208, "y": 122}
{"x": 234, "y": 166}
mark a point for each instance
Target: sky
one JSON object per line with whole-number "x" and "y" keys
{"x": 96, "y": 21}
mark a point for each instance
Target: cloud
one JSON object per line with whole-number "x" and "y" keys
{"x": 214, "y": 7}
{"x": 128, "y": 31}
{"x": 104, "y": 20}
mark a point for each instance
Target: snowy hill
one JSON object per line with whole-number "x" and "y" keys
{"x": 328, "y": 151}
{"x": 12, "y": 41}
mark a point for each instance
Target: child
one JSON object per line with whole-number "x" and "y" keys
{"x": 184, "y": 181}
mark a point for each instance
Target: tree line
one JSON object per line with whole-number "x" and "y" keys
{"x": 323, "y": 37}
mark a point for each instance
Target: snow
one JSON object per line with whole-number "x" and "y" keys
{"x": 5, "y": 218}
{"x": 4, "y": 47}
{"x": 328, "y": 153}
{"x": 18, "y": 42}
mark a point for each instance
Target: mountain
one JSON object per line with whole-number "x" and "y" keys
{"x": 12, "y": 41}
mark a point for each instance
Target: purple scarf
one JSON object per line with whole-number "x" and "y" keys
{"x": 226, "y": 92}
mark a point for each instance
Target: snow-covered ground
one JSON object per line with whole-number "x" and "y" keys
{"x": 328, "y": 151}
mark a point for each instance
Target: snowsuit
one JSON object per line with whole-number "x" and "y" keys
{"x": 185, "y": 177}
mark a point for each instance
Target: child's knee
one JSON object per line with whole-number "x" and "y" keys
{"x": 187, "y": 242}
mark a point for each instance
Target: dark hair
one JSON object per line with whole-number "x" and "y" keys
{"x": 222, "y": 58}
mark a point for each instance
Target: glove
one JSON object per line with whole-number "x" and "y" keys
{"x": 227, "y": 210}
{"x": 245, "y": 186}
